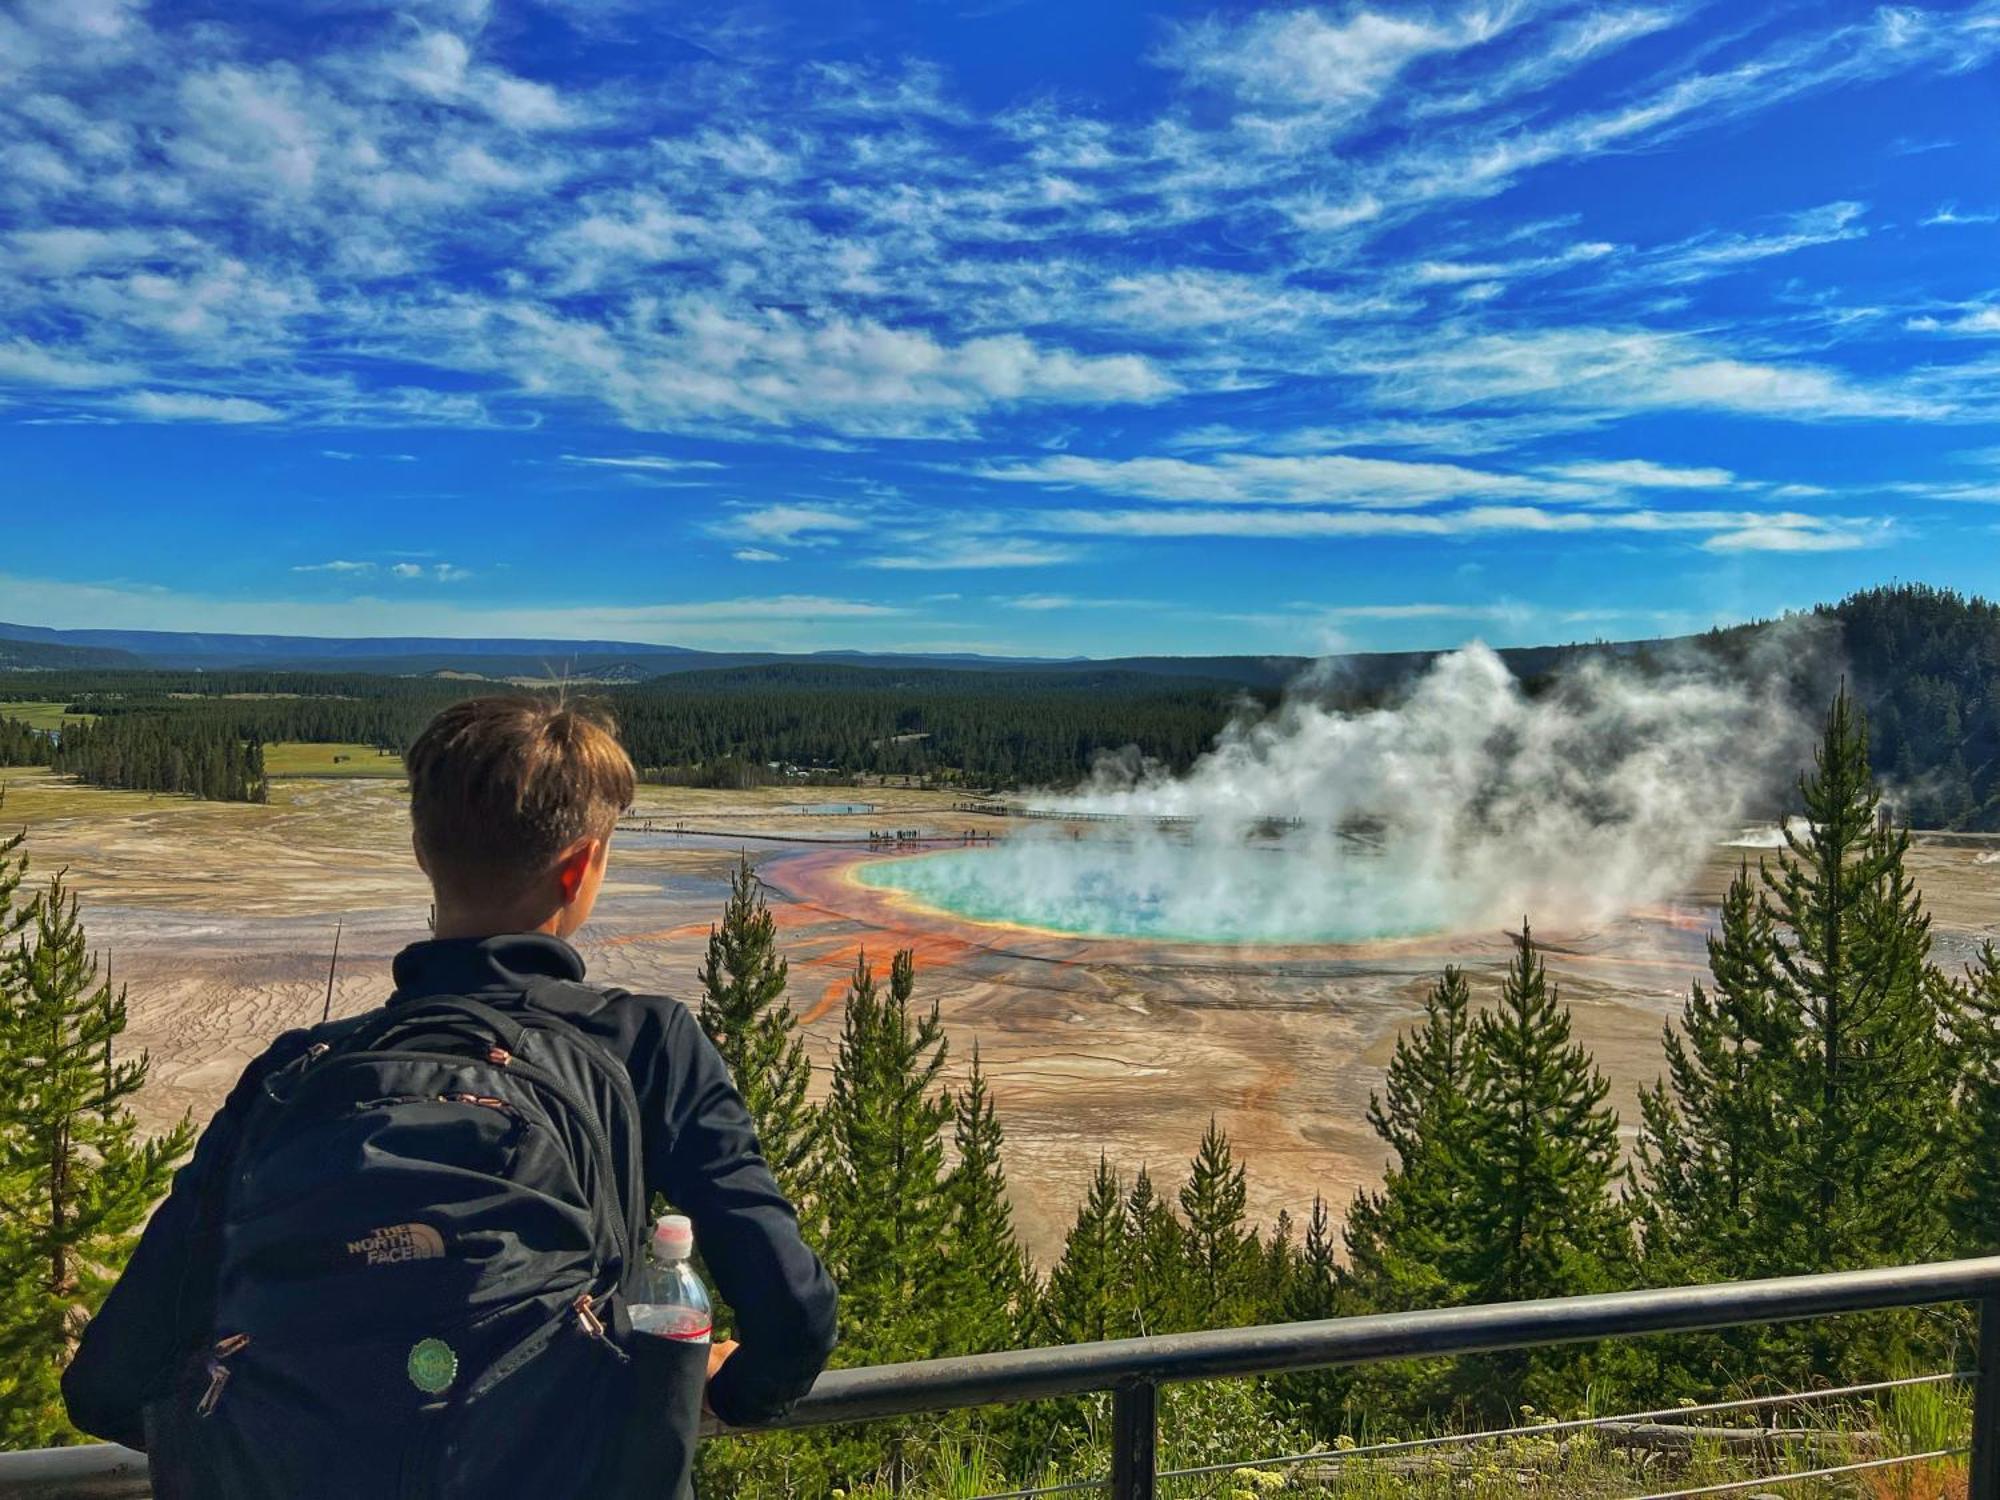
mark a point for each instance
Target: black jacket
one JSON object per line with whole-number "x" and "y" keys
{"x": 700, "y": 1152}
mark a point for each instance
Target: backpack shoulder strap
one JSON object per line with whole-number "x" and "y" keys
{"x": 568, "y": 1001}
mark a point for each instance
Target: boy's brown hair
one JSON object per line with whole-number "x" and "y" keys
{"x": 500, "y": 786}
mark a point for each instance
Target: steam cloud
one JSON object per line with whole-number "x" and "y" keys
{"x": 1463, "y": 805}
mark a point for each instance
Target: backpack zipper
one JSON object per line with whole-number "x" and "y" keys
{"x": 521, "y": 1067}
{"x": 218, "y": 1370}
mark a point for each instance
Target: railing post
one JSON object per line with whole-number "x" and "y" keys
{"x": 1135, "y": 1440}
{"x": 1984, "y": 1480}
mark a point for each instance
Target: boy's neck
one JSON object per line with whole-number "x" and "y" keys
{"x": 458, "y": 924}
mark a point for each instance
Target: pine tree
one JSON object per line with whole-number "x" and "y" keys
{"x": 21, "y": 744}
{"x": 1312, "y": 1293}
{"x": 1156, "y": 1263}
{"x": 1083, "y": 1302}
{"x": 78, "y": 1179}
{"x": 1707, "y": 1130}
{"x": 991, "y": 1280}
{"x": 1276, "y": 1262}
{"x": 1542, "y": 1217}
{"x": 1854, "y": 1035}
{"x": 1221, "y": 1252}
{"x": 887, "y": 1209}
{"x": 15, "y": 914}
{"x": 744, "y": 1012}
{"x": 1976, "y": 1029}
{"x": 1408, "y": 1244}
{"x": 1808, "y": 1113}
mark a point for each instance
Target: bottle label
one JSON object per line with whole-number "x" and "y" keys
{"x": 684, "y": 1323}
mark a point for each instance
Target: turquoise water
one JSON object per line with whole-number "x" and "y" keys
{"x": 1184, "y": 895}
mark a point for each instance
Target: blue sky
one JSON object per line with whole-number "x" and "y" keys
{"x": 1030, "y": 327}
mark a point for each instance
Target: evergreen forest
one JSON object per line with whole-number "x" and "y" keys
{"x": 1923, "y": 663}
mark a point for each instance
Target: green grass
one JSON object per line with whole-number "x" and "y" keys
{"x": 290, "y": 758}
{"x": 42, "y": 715}
{"x": 1573, "y": 1464}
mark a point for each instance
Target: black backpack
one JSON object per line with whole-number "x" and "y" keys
{"x": 423, "y": 1246}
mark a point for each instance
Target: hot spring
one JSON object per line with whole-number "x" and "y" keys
{"x": 1090, "y": 888}
{"x": 1478, "y": 804}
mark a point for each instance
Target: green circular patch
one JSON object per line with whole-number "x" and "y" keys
{"x": 433, "y": 1366}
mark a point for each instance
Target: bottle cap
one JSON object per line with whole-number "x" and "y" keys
{"x": 673, "y": 1237}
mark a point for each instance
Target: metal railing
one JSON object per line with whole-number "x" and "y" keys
{"x": 1133, "y": 1370}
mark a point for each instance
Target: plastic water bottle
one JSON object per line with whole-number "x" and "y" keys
{"x": 671, "y": 1302}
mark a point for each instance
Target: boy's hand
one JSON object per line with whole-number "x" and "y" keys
{"x": 718, "y": 1356}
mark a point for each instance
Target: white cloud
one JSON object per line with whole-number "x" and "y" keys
{"x": 1576, "y": 42}
{"x": 1641, "y": 473}
{"x": 978, "y": 553}
{"x": 1058, "y": 603}
{"x": 839, "y": 254}
{"x": 1454, "y": 273}
{"x": 647, "y": 461}
{"x": 1976, "y": 322}
{"x": 1243, "y": 478}
{"x": 1788, "y": 531}
{"x": 32, "y": 364}
{"x": 1788, "y": 539}
{"x": 791, "y": 525}
{"x": 1710, "y": 253}
{"x": 192, "y": 406}
{"x": 1455, "y": 433}
{"x": 1480, "y": 160}
{"x": 337, "y": 565}
{"x": 756, "y": 555}
{"x": 1302, "y": 59}
{"x": 439, "y": 65}
{"x": 64, "y": 250}
{"x": 1194, "y": 297}
{"x": 443, "y": 572}
{"x": 702, "y": 360}
{"x": 1416, "y": 611}
{"x": 1628, "y": 369}
{"x": 1948, "y": 215}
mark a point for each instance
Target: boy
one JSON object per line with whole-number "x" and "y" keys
{"x": 421, "y": 1286}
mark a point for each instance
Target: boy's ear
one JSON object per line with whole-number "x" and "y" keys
{"x": 574, "y": 865}
{"x": 417, "y": 848}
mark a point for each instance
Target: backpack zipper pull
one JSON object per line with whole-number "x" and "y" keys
{"x": 585, "y": 1308}
{"x": 218, "y": 1371}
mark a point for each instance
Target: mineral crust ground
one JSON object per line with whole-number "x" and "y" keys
{"x": 219, "y": 918}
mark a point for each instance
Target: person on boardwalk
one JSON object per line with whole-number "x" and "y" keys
{"x": 401, "y": 1259}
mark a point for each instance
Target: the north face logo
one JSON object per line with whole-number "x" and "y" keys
{"x": 396, "y": 1243}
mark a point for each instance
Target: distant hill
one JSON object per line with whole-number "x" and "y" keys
{"x": 419, "y": 655}
{"x": 181, "y": 648}
{"x": 629, "y": 661}
{"x": 46, "y": 656}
